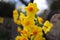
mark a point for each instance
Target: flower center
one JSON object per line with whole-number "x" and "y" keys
{"x": 30, "y": 9}
{"x": 35, "y": 32}
{"x": 24, "y": 32}
{"x": 27, "y": 23}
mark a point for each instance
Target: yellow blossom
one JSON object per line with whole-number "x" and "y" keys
{"x": 40, "y": 20}
{"x": 28, "y": 22}
{"x": 19, "y": 29}
{"x": 35, "y": 30}
{"x": 24, "y": 38}
{"x": 24, "y": 32}
{"x": 15, "y": 14}
{"x": 47, "y": 26}
{"x": 21, "y": 38}
{"x": 31, "y": 9}
{"x": 22, "y": 16}
{"x": 39, "y": 37}
{"x": 18, "y": 38}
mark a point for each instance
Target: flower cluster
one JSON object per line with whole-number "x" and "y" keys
{"x": 33, "y": 26}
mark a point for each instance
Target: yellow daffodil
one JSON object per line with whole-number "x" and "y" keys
{"x": 19, "y": 29}
{"x": 40, "y": 20}
{"x": 22, "y": 16}
{"x": 24, "y": 32}
{"x": 47, "y": 26}
{"x": 18, "y": 38}
{"x": 39, "y": 37}
{"x": 28, "y": 22}
{"x": 24, "y": 38}
{"x": 31, "y": 9}
{"x": 15, "y": 14}
{"x": 35, "y": 30}
{"x": 21, "y": 38}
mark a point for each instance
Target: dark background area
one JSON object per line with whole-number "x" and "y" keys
{"x": 54, "y": 9}
{"x": 6, "y": 9}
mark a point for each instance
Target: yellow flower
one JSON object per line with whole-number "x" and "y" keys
{"x": 18, "y": 38}
{"x": 24, "y": 32}
{"x": 24, "y": 38}
{"x": 47, "y": 26}
{"x": 39, "y": 37}
{"x": 35, "y": 30}
{"x": 21, "y": 38}
{"x": 19, "y": 29}
{"x": 15, "y": 14}
{"x": 22, "y": 16}
{"x": 40, "y": 20}
{"x": 28, "y": 22}
{"x": 31, "y": 9}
